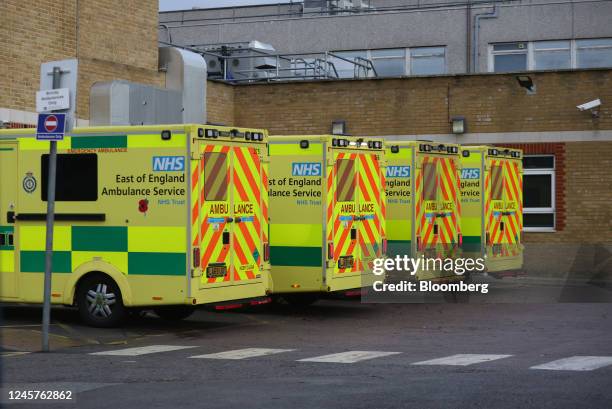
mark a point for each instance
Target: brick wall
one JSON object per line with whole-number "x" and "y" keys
{"x": 112, "y": 40}
{"x": 588, "y": 193}
{"x": 490, "y": 103}
{"x": 119, "y": 31}
{"x": 32, "y": 32}
{"x": 220, "y": 103}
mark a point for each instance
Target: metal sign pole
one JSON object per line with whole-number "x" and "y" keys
{"x": 49, "y": 238}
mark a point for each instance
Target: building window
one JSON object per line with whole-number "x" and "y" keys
{"x": 509, "y": 57}
{"x": 427, "y": 60}
{"x": 550, "y": 55}
{"x": 390, "y": 62}
{"x": 344, "y": 68}
{"x": 393, "y": 62}
{"x": 539, "y": 193}
{"x": 594, "y": 53}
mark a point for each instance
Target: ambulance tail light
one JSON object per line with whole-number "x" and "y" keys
{"x": 224, "y": 307}
{"x": 488, "y": 239}
{"x": 266, "y": 251}
{"x": 196, "y": 257}
{"x": 418, "y": 244}
{"x": 330, "y": 251}
{"x": 460, "y": 240}
{"x": 384, "y": 246}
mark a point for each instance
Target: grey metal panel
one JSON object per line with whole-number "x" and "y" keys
{"x": 128, "y": 103}
{"x": 186, "y": 73}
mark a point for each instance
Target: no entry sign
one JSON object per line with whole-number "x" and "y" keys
{"x": 51, "y": 127}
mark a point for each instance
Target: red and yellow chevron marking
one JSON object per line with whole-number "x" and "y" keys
{"x": 509, "y": 236}
{"x": 449, "y": 185}
{"x": 371, "y": 201}
{"x": 341, "y": 214}
{"x": 248, "y": 203}
{"x": 437, "y": 179}
{"x": 212, "y": 173}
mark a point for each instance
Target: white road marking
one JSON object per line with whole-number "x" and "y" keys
{"x": 151, "y": 349}
{"x": 462, "y": 359}
{"x": 576, "y": 363}
{"x": 243, "y": 353}
{"x": 349, "y": 357}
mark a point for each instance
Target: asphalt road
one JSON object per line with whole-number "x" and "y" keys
{"x": 408, "y": 355}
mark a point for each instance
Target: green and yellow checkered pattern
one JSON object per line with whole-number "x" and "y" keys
{"x": 133, "y": 250}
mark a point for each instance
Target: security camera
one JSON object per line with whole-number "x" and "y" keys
{"x": 589, "y": 105}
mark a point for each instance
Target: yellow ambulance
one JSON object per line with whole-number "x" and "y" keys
{"x": 423, "y": 208}
{"x": 327, "y": 214}
{"x": 163, "y": 217}
{"x": 492, "y": 206}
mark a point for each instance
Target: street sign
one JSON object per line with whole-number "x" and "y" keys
{"x": 52, "y": 100}
{"x": 51, "y": 127}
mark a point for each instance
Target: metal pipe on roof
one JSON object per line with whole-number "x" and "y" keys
{"x": 476, "y": 35}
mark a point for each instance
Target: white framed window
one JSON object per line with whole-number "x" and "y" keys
{"x": 539, "y": 193}
{"x": 389, "y": 62}
{"x": 550, "y": 55}
{"x": 427, "y": 60}
{"x": 393, "y": 62}
{"x": 594, "y": 53}
{"x": 509, "y": 57}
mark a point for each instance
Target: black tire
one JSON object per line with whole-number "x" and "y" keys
{"x": 174, "y": 312}
{"x": 300, "y": 300}
{"x": 99, "y": 301}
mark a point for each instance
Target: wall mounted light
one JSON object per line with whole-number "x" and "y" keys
{"x": 458, "y": 125}
{"x": 339, "y": 127}
{"x": 526, "y": 82}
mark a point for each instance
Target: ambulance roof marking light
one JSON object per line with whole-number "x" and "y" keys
{"x": 493, "y": 152}
{"x": 211, "y": 133}
{"x": 340, "y": 142}
{"x": 395, "y": 149}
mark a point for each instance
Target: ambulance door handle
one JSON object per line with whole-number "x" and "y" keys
{"x": 10, "y": 239}
{"x": 353, "y": 234}
{"x": 226, "y": 237}
{"x": 10, "y": 217}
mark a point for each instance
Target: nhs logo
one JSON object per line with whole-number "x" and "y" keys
{"x": 306, "y": 169}
{"x": 398, "y": 171}
{"x": 168, "y": 163}
{"x": 470, "y": 173}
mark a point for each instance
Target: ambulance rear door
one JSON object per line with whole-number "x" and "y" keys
{"x": 230, "y": 234}
{"x": 370, "y": 208}
{"x": 342, "y": 197}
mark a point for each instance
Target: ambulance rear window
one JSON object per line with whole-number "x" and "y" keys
{"x": 215, "y": 176}
{"x": 76, "y": 180}
{"x": 430, "y": 181}
{"x": 345, "y": 180}
{"x": 497, "y": 182}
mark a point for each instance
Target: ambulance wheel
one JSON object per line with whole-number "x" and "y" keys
{"x": 99, "y": 301}
{"x": 174, "y": 312}
{"x": 300, "y": 300}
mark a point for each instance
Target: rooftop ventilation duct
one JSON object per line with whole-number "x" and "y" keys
{"x": 183, "y": 100}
